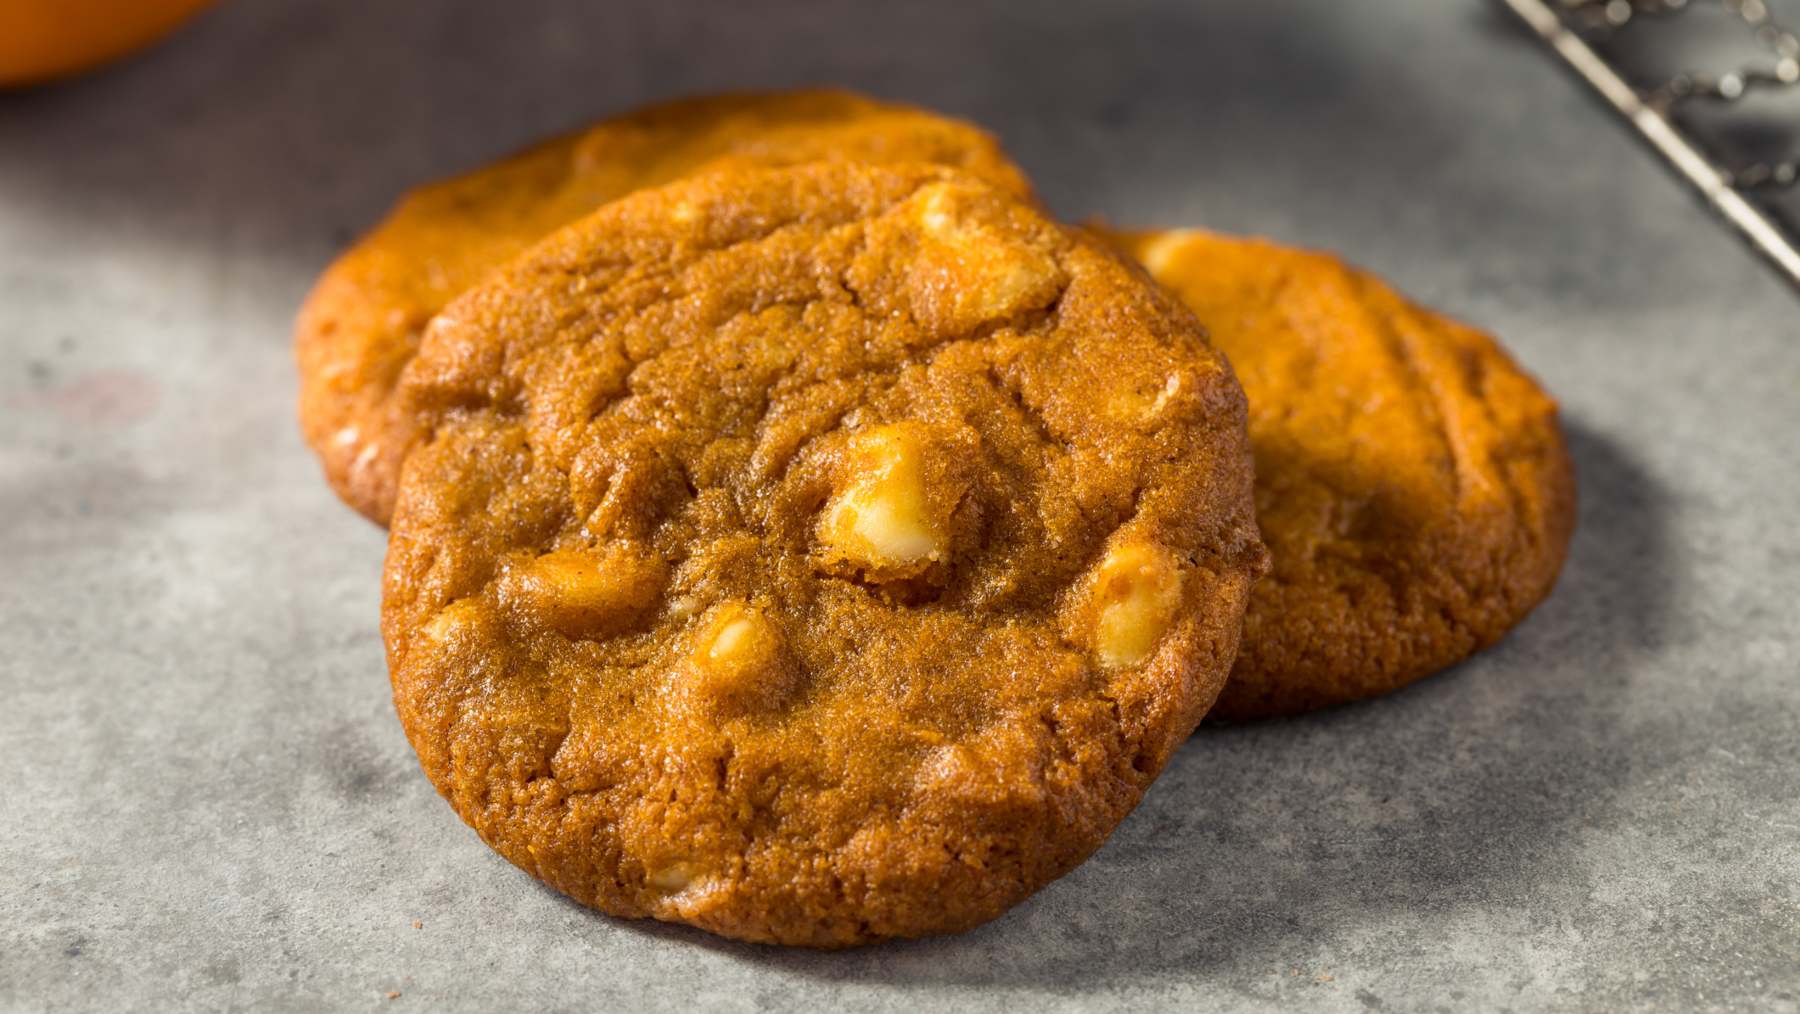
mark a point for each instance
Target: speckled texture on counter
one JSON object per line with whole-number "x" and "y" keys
{"x": 209, "y": 803}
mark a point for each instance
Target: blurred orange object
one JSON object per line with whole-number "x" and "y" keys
{"x": 44, "y": 39}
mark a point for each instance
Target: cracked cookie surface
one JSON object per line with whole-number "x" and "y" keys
{"x": 1412, "y": 483}
{"x": 813, "y": 555}
{"x": 362, "y": 322}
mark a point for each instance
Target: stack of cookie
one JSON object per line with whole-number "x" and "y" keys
{"x": 798, "y": 534}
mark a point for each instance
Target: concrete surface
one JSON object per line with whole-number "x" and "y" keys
{"x": 208, "y": 803}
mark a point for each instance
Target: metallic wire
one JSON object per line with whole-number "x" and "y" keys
{"x": 1669, "y": 140}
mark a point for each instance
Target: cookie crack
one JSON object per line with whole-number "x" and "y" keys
{"x": 1029, "y": 413}
{"x": 1387, "y": 312}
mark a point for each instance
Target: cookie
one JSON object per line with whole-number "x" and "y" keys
{"x": 1412, "y": 483}
{"x": 362, "y": 322}
{"x": 814, "y": 555}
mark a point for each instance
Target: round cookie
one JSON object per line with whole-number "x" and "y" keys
{"x": 362, "y": 322}
{"x": 814, "y": 555}
{"x": 1412, "y": 483}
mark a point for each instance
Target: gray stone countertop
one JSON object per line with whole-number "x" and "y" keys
{"x": 209, "y": 803}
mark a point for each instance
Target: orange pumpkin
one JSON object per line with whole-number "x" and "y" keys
{"x": 44, "y": 39}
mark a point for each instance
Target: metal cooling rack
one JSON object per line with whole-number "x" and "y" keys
{"x": 1714, "y": 88}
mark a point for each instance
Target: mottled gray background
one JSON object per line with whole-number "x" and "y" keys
{"x": 208, "y": 803}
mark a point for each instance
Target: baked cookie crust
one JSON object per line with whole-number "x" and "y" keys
{"x": 815, "y": 555}
{"x": 1412, "y": 482}
{"x": 361, "y": 324}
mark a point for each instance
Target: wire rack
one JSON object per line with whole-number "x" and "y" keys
{"x": 1713, "y": 86}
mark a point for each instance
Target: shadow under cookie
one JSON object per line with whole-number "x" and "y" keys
{"x": 1269, "y": 844}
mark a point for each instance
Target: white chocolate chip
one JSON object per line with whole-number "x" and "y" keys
{"x": 1170, "y": 388}
{"x": 585, "y": 593}
{"x": 1136, "y": 591}
{"x": 1132, "y": 404}
{"x": 884, "y": 518}
{"x": 739, "y": 660}
{"x": 732, "y": 641}
{"x": 453, "y": 620}
{"x": 740, "y": 638}
{"x": 1160, "y": 253}
{"x": 967, "y": 272}
{"x": 685, "y": 888}
{"x": 935, "y": 212}
{"x": 1014, "y": 282}
{"x": 887, "y": 524}
{"x": 673, "y": 878}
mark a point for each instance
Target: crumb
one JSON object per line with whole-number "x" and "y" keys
{"x": 418, "y": 925}
{"x": 393, "y": 994}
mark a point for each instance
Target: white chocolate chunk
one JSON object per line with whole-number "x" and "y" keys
{"x": 1013, "y": 280}
{"x": 673, "y": 878}
{"x": 883, "y": 517}
{"x": 1170, "y": 388}
{"x": 455, "y": 618}
{"x": 739, "y": 639}
{"x": 685, "y": 888}
{"x": 935, "y": 212}
{"x": 740, "y": 660}
{"x": 1136, "y": 590}
{"x": 887, "y": 524}
{"x": 1133, "y": 405}
{"x": 585, "y": 593}
{"x": 1160, "y": 253}
{"x": 969, "y": 273}
{"x": 732, "y": 641}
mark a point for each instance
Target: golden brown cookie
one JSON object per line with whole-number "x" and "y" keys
{"x": 362, "y": 322}
{"x": 813, "y": 555}
{"x": 1412, "y": 483}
